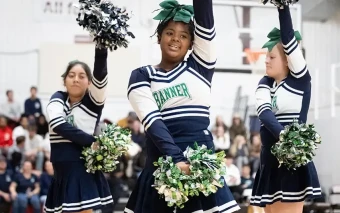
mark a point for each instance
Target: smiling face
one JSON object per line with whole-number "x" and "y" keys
{"x": 76, "y": 81}
{"x": 175, "y": 41}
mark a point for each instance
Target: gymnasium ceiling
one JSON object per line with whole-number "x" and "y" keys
{"x": 319, "y": 10}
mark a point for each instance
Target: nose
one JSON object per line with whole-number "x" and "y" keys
{"x": 175, "y": 38}
{"x": 76, "y": 79}
{"x": 267, "y": 59}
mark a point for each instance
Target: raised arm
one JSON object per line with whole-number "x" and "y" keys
{"x": 99, "y": 81}
{"x": 296, "y": 61}
{"x": 58, "y": 124}
{"x": 143, "y": 103}
{"x": 264, "y": 107}
{"x": 203, "y": 54}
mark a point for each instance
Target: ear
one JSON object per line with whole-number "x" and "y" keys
{"x": 191, "y": 44}
{"x": 158, "y": 39}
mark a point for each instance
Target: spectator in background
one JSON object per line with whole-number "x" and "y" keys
{"x": 11, "y": 109}
{"x": 21, "y": 130}
{"x": 5, "y": 135}
{"x": 255, "y": 151}
{"x": 33, "y": 104}
{"x": 237, "y": 127}
{"x": 25, "y": 189}
{"x": 42, "y": 126}
{"x": 221, "y": 139}
{"x": 33, "y": 148}
{"x": 233, "y": 177}
{"x": 239, "y": 150}
{"x": 5, "y": 181}
{"x": 16, "y": 153}
{"x": 45, "y": 181}
{"x": 219, "y": 122}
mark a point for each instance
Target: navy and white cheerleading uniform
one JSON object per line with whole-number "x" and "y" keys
{"x": 173, "y": 107}
{"x": 71, "y": 128}
{"x": 277, "y": 106}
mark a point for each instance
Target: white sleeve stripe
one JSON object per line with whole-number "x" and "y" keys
{"x": 137, "y": 86}
{"x": 56, "y": 100}
{"x": 291, "y": 49}
{"x": 138, "y": 83}
{"x": 205, "y": 36}
{"x": 203, "y": 63}
{"x": 151, "y": 121}
{"x": 100, "y": 82}
{"x": 99, "y": 85}
{"x": 98, "y": 103}
{"x": 263, "y": 86}
{"x": 202, "y": 28}
{"x": 262, "y": 110}
{"x": 149, "y": 116}
{"x": 289, "y": 43}
{"x": 263, "y": 106}
{"x": 300, "y": 75}
{"x": 302, "y": 71}
{"x": 56, "y": 122}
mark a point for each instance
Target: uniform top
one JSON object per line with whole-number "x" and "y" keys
{"x": 174, "y": 106}
{"x": 278, "y": 105}
{"x": 72, "y": 127}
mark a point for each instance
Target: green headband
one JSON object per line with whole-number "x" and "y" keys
{"x": 275, "y": 37}
{"x": 172, "y": 10}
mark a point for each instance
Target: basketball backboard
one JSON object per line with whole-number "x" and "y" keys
{"x": 242, "y": 25}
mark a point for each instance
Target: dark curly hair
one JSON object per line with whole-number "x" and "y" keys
{"x": 163, "y": 24}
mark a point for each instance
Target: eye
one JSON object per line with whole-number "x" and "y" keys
{"x": 184, "y": 36}
{"x": 169, "y": 33}
{"x": 271, "y": 57}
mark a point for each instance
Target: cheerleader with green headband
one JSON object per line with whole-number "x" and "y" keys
{"x": 282, "y": 96}
{"x": 172, "y": 101}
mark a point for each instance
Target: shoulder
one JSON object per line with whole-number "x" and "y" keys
{"x": 59, "y": 95}
{"x": 140, "y": 74}
{"x": 266, "y": 80}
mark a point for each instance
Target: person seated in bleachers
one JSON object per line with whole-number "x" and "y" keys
{"x": 25, "y": 189}
{"x": 5, "y": 136}
{"x": 255, "y": 151}
{"x": 16, "y": 154}
{"x": 233, "y": 177}
{"x": 21, "y": 130}
{"x": 247, "y": 181}
{"x": 34, "y": 152}
{"x": 45, "y": 181}
{"x": 239, "y": 150}
{"x": 221, "y": 139}
{"x": 5, "y": 181}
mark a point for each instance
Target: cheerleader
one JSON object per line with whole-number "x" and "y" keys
{"x": 172, "y": 100}
{"x": 73, "y": 116}
{"x": 281, "y": 96}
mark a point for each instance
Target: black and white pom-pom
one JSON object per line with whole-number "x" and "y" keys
{"x": 105, "y": 22}
{"x": 279, "y": 3}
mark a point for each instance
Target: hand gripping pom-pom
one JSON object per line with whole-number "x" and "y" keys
{"x": 280, "y": 3}
{"x": 296, "y": 146}
{"x": 206, "y": 170}
{"x": 113, "y": 142}
{"x": 105, "y": 22}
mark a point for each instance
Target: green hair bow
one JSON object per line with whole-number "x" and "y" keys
{"x": 275, "y": 37}
{"x": 172, "y": 10}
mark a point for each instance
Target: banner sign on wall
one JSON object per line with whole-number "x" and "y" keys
{"x": 55, "y": 10}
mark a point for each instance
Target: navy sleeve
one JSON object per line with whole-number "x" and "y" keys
{"x": 27, "y": 107}
{"x": 58, "y": 124}
{"x": 143, "y": 103}
{"x": 40, "y": 108}
{"x": 203, "y": 56}
{"x": 97, "y": 89}
{"x": 296, "y": 62}
{"x": 264, "y": 107}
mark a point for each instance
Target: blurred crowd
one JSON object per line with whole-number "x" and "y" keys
{"x": 25, "y": 169}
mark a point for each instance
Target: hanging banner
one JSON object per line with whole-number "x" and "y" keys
{"x": 55, "y": 10}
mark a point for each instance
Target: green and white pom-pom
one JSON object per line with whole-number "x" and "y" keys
{"x": 113, "y": 142}
{"x": 206, "y": 170}
{"x": 280, "y": 3}
{"x": 297, "y": 145}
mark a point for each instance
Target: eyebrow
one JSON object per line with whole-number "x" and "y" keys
{"x": 180, "y": 31}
